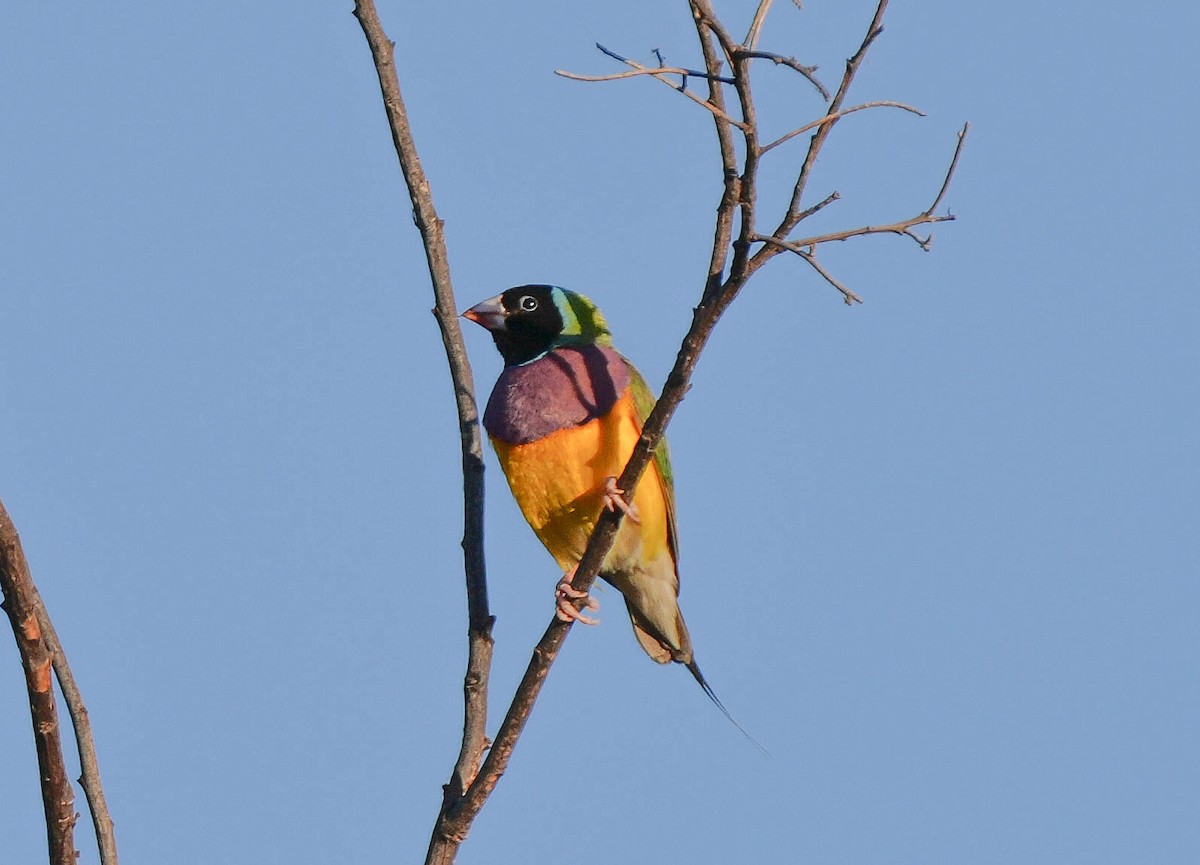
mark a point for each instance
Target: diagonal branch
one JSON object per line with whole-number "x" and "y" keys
{"x": 817, "y": 142}
{"x": 661, "y": 73}
{"x": 810, "y": 256}
{"x": 632, "y": 73}
{"x": 756, "y": 25}
{"x": 731, "y": 190}
{"x": 809, "y": 72}
{"x": 829, "y": 118}
{"x": 850, "y": 297}
{"x": 903, "y": 226}
{"x": 805, "y": 247}
{"x": 962, "y": 139}
{"x": 21, "y": 604}
{"x": 479, "y": 660}
{"x": 89, "y": 765}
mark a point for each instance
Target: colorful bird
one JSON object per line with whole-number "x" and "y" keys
{"x": 564, "y": 417}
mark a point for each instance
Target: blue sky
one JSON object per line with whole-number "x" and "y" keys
{"x": 938, "y": 551}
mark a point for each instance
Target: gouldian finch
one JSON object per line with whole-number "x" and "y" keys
{"x": 564, "y": 417}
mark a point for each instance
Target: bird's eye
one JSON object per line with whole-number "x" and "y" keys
{"x": 528, "y": 303}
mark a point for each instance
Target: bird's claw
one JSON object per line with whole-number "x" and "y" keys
{"x": 614, "y": 499}
{"x": 564, "y": 597}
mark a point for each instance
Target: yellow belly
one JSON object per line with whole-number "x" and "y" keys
{"x": 558, "y": 482}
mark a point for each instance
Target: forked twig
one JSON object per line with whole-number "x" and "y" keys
{"x": 660, "y": 73}
{"x": 809, "y": 72}
{"x": 805, "y": 247}
{"x": 795, "y": 206}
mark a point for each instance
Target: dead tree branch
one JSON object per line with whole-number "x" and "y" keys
{"x": 89, "y": 765}
{"x": 479, "y": 658}
{"x": 760, "y": 18}
{"x": 809, "y": 72}
{"x": 21, "y": 603}
{"x": 795, "y": 207}
{"x": 881, "y": 103}
{"x": 719, "y": 48}
{"x": 661, "y": 73}
{"x": 804, "y": 247}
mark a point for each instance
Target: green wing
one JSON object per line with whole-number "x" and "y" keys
{"x": 643, "y": 400}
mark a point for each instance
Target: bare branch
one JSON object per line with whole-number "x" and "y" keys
{"x": 830, "y": 118}
{"x": 962, "y": 139}
{"x": 809, "y": 72}
{"x": 479, "y": 659}
{"x": 662, "y": 75}
{"x": 902, "y": 227}
{"x": 808, "y": 255}
{"x": 731, "y": 189}
{"x": 821, "y": 205}
{"x": 632, "y": 73}
{"x": 791, "y": 219}
{"x": 850, "y": 297}
{"x": 760, "y": 17}
{"x": 89, "y": 776}
{"x": 926, "y": 242}
{"x": 706, "y": 21}
{"x": 695, "y": 73}
{"x": 21, "y": 603}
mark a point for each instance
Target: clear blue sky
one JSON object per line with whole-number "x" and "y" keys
{"x": 939, "y": 551}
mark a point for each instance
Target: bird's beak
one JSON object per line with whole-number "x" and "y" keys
{"x": 489, "y": 314}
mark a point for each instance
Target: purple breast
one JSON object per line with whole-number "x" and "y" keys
{"x": 565, "y": 388}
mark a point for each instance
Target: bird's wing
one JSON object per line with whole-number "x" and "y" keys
{"x": 643, "y": 400}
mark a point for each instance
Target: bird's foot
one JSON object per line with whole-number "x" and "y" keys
{"x": 614, "y": 499}
{"x": 564, "y": 597}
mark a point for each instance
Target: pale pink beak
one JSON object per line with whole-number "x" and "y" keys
{"x": 489, "y": 314}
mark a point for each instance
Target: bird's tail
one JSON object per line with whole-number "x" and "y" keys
{"x": 694, "y": 669}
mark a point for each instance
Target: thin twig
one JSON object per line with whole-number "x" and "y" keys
{"x": 809, "y": 256}
{"x": 21, "y": 605}
{"x": 706, "y": 19}
{"x": 820, "y": 205}
{"x": 805, "y": 247}
{"x": 822, "y": 134}
{"x": 632, "y": 73}
{"x": 809, "y": 72}
{"x": 479, "y": 659}
{"x": 661, "y": 75}
{"x": 89, "y": 765}
{"x": 901, "y": 227}
{"x": 850, "y": 297}
{"x": 693, "y": 73}
{"x": 731, "y": 188}
{"x": 830, "y": 118}
{"x": 760, "y": 17}
{"x": 962, "y": 139}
